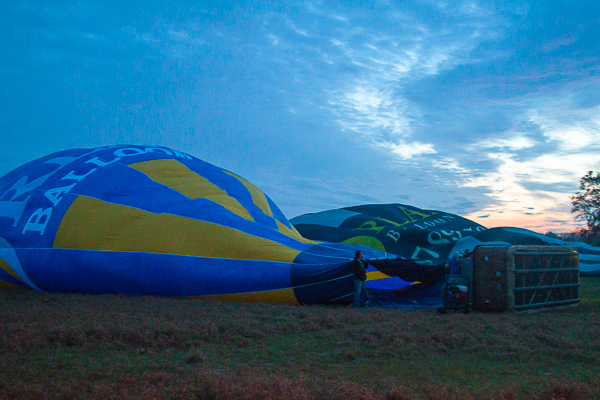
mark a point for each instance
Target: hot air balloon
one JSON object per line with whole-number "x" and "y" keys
{"x": 149, "y": 220}
{"x": 427, "y": 237}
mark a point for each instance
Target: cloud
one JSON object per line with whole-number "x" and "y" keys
{"x": 547, "y": 179}
{"x": 515, "y": 143}
{"x": 407, "y": 151}
{"x": 369, "y": 111}
{"x": 579, "y": 130}
{"x": 449, "y": 163}
{"x": 299, "y": 31}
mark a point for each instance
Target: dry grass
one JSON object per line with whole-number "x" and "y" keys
{"x": 68, "y": 346}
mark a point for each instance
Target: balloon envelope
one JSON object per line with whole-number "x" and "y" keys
{"x": 428, "y": 237}
{"x": 156, "y": 221}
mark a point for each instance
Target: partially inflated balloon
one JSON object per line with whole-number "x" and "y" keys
{"x": 156, "y": 221}
{"x": 428, "y": 237}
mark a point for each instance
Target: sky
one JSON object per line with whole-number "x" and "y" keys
{"x": 485, "y": 109}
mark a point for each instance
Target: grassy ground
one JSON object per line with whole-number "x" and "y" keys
{"x": 68, "y": 346}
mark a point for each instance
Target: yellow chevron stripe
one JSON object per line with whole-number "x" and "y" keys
{"x": 96, "y": 225}
{"x": 295, "y": 232}
{"x": 376, "y": 275}
{"x": 232, "y": 205}
{"x": 280, "y": 296}
{"x": 177, "y": 176}
{"x": 8, "y": 269}
{"x": 258, "y": 197}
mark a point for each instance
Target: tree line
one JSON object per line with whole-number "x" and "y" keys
{"x": 586, "y": 207}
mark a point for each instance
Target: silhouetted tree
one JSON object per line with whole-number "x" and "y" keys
{"x": 586, "y": 204}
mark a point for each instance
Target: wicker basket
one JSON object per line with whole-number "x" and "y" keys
{"x": 524, "y": 277}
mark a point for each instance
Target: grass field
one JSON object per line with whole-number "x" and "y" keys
{"x": 69, "y": 346}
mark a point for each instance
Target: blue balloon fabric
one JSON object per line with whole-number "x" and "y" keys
{"x": 151, "y": 220}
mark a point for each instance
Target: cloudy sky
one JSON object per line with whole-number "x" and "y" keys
{"x": 490, "y": 110}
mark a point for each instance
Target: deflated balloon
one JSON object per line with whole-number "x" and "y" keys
{"x": 428, "y": 237}
{"x": 156, "y": 221}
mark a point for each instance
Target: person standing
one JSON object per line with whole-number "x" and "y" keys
{"x": 359, "y": 269}
{"x": 454, "y": 263}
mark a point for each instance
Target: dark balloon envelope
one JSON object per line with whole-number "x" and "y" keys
{"x": 427, "y": 237}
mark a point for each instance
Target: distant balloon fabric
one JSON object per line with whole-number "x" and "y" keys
{"x": 427, "y": 237}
